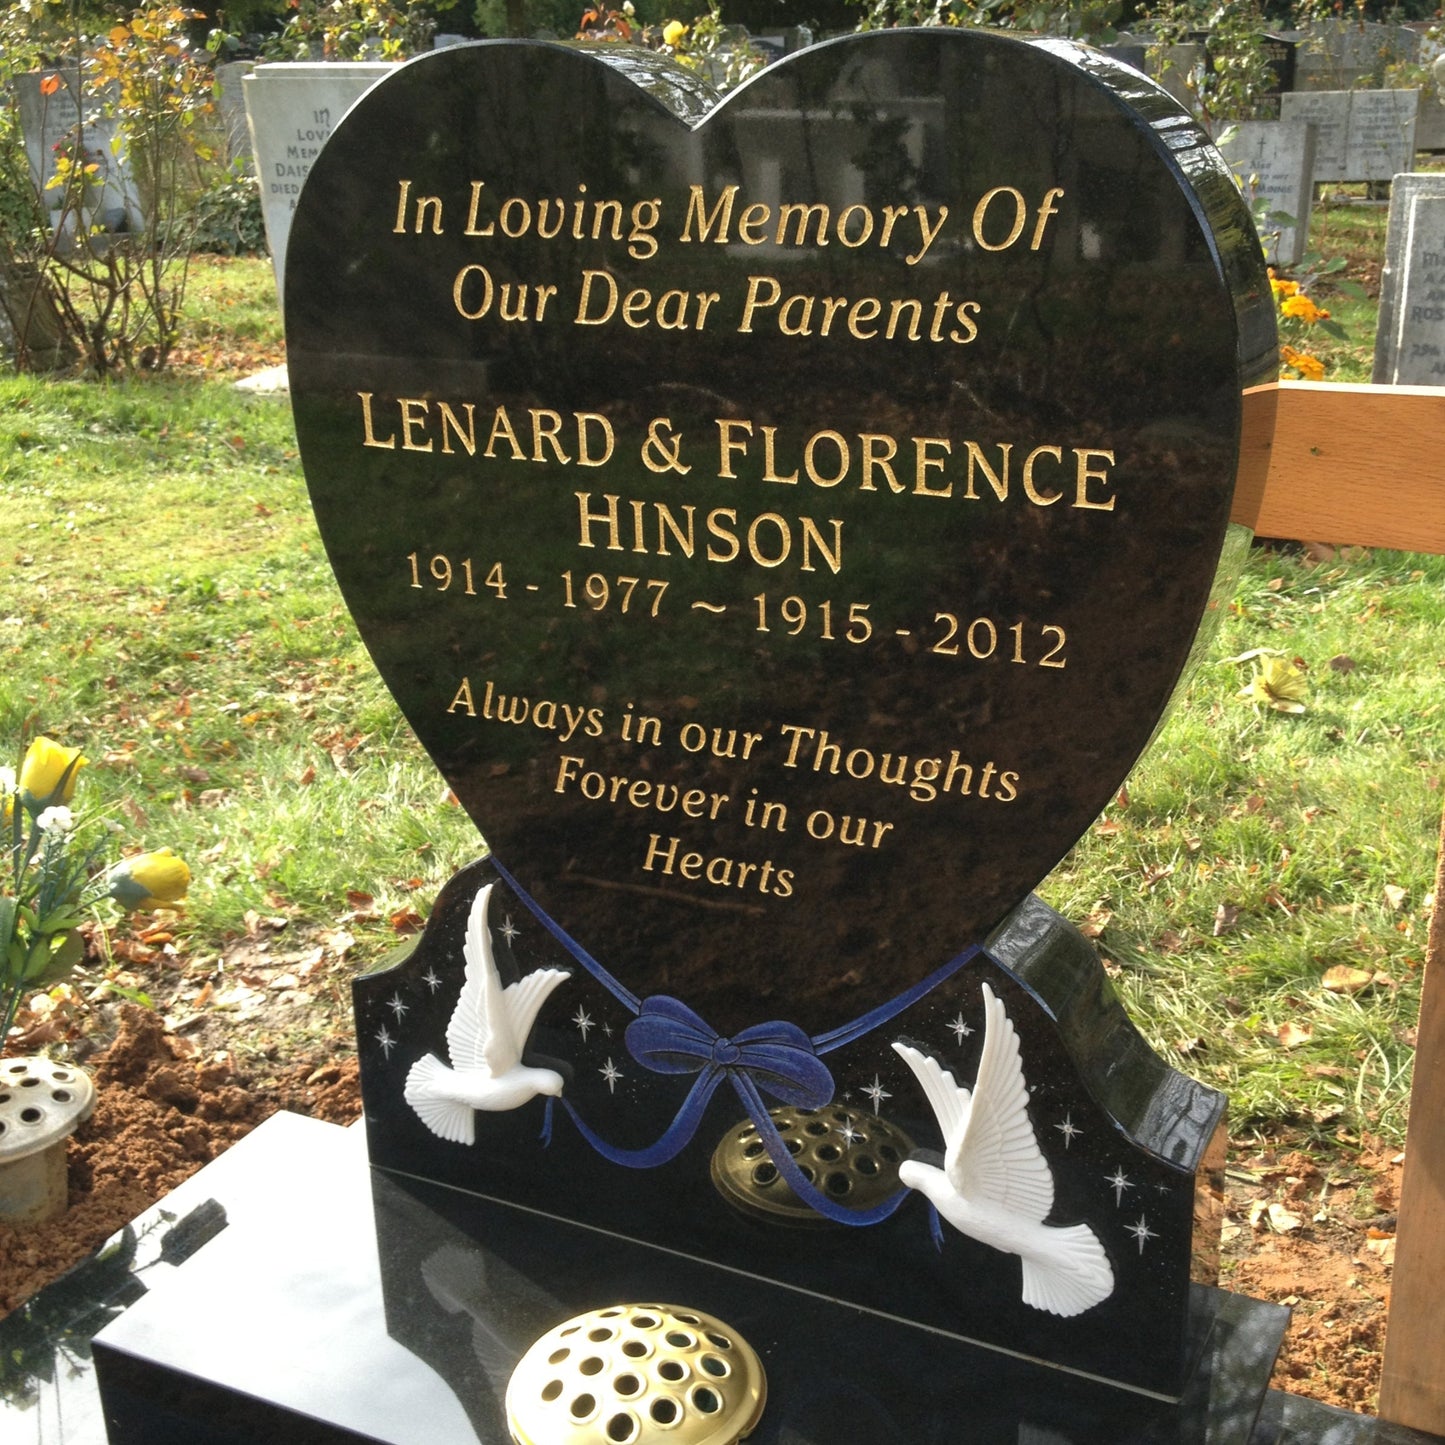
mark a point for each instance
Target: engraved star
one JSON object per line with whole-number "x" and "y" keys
{"x": 430, "y": 979}
{"x": 384, "y": 1038}
{"x": 607, "y": 1029}
{"x": 1161, "y": 1188}
{"x": 611, "y": 1073}
{"x": 1119, "y": 1181}
{"x": 395, "y": 1004}
{"x": 849, "y": 1134}
{"x": 583, "y": 1020}
{"x": 876, "y": 1093}
{"x": 509, "y": 930}
{"x": 961, "y": 1030}
{"x": 1141, "y": 1231}
{"x": 1069, "y": 1130}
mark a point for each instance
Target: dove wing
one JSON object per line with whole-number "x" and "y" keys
{"x": 997, "y": 1159}
{"x": 525, "y": 997}
{"x": 947, "y": 1099}
{"x": 480, "y": 1035}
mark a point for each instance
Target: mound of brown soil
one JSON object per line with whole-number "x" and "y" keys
{"x": 161, "y": 1112}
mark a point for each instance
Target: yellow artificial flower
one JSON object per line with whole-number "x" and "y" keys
{"x": 1279, "y": 684}
{"x": 673, "y": 33}
{"x": 150, "y": 880}
{"x": 1311, "y": 368}
{"x": 48, "y": 774}
{"x": 1303, "y": 309}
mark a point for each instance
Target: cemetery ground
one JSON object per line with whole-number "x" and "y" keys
{"x": 1261, "y": 888}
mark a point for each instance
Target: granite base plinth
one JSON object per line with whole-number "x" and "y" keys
{"x": 283, "y": 1336}
{"x": 359, "y": 1306}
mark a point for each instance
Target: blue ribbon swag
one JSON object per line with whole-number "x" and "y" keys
{"x": 775, "y": 1058}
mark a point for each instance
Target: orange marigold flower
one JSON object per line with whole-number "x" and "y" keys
{"x": 1303, "y": 309}
{"x": 1311, "y": 368}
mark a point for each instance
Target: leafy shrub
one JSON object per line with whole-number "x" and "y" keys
{"x": 226, "y": 220}
{"x": 115, "y": 294}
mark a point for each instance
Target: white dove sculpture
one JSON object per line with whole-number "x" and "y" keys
{"x": 995, "y": 1185}
{"x": 485, "y": 1039}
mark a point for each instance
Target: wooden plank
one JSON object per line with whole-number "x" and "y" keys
{"x": 1356, "y": 465}
{"x": 1365, "y": 466}
{"x": 1412, "y": 1387}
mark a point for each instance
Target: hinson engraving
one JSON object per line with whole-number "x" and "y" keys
{"x": 1077, "y": 478}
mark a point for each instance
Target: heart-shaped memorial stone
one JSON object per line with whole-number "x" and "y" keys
{"x": 783, "y": 522}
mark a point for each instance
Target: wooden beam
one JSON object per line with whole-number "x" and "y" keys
{"x": 1352, "y": 465}
{"x": 1412, "y": 1388}
{"x": 1365, "y": 466}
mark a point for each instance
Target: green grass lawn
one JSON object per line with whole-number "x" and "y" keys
{"x": 166, "y": 604}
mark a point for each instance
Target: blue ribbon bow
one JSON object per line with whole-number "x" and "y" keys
{"x": 669, "y": 1038}
{"x": 778, "y": 1058}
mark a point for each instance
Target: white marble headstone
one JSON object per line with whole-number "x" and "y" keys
{"x": 292, "y": 108}
{"x": 48, "y": 121}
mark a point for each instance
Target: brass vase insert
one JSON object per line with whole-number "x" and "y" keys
{"x": 41, "y": 1102}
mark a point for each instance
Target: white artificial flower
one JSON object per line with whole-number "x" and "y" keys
{"x": 56, "y": 816}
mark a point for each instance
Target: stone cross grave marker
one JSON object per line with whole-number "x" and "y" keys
{"x": 755, "y": 509}
{"x": 1410, "y": 338}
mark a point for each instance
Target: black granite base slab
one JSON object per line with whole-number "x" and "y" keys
{"x": 361, "y": 1308}
{"x": 836, "y": 1372}
{"x": 290, "y": 1341}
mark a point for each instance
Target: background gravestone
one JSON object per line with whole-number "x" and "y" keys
{"x": 1274, "y": 159}
{"x": 1338, "y": 55}
{"x": 1361, "y": 135}
{"x": 231, "y": 105}
{"x": 1410, "y": 339}
{"x": 756, "y": 508}
{"x": 48, "y": 122}
{"x": 291, "y": 109}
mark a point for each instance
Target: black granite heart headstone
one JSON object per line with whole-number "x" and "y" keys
{"x": 784, "y": 526}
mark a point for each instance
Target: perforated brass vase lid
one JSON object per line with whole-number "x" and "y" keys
{"x": 848, "y": 1155}
{"x": 634, "y": 1374}
{"x": 41, "y": 1102}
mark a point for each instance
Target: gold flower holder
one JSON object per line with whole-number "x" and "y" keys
{"x": 636, "y": 1374}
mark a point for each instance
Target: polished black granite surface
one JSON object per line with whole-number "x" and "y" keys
{"x": 1125, "y": 1138}
{"x": 310, "y": 1322}
{"x": 332, "y": 1290}
{"x": 778, "y": 642}
{"x": 756, "y": 506}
